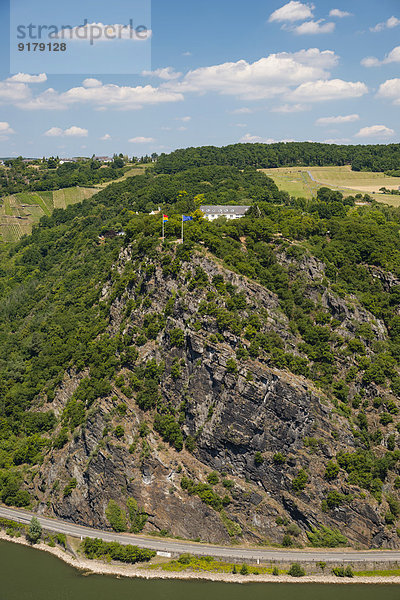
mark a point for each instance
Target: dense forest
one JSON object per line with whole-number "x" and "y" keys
{"x": 18, "y": 176}
{"x": 54, "y": 318}
{"x": 379, "y": 158}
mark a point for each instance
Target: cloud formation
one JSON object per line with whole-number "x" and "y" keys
{"x": 72, "y": 131}
{"x": 337, "y": 120}
{"x": 380, "y": 131}
{"x": 390, "y": 90}
{"x": 166, "y": 73}
{"x": 314, "y": 28}
{"x": 391, "y": 23}
{"x": 392, "y": 57}
{"x": 141, "y": 140}
{"x": 334, "y": 89}
{"x": 25, "y": 78}
{"x": 292, "y": 12}
{"x": 339, "y": 14}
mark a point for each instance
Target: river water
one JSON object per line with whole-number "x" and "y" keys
{"x": 29, "y": 574}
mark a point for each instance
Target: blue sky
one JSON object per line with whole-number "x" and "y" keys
{"x": 220, "y": 72}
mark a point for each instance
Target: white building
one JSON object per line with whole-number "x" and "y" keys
{"x": 229, "y": 212}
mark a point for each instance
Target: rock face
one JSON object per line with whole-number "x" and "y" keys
{"x": 257, "y": 426}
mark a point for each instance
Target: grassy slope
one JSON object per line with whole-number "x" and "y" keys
{"x": 297, "y": 181}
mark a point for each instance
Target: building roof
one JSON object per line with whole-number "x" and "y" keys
{"x": 227, "y": 209}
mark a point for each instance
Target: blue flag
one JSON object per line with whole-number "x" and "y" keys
{"x": 185, "y": 218}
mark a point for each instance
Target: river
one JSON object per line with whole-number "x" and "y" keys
{"x": 28, "y": 574}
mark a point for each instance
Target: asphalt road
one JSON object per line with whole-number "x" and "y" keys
{"x": 222, "y": 552}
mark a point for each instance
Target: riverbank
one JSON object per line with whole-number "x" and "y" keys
{"x": 97, "y": 567}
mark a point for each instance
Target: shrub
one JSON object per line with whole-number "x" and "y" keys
{"x": 258, "y": 459}
{"x": 296, "y": 570}
{"x": 275, "y": 571}
{"x": 300, "y": 482}
{"x": 213, "y": 478}
{"x": 332, "y": 471}
{"x": 185, "y": 559}
{"x": 279, "y": 458}
{"x": 326, "y": 538}
{"x": 169, "y": 430}
{"x": 244, "y": 570}
{"x": 119, "y": 432}
{"x": 116, "y": 516}
{"x": 231, "y": 366}
{"x": 96, "y": 548}
{"x": 35, "y": 531}
{"x": 287, "y": 541}
{"x": 177, "y": 338}
{"x": 343, "y": 572}
{"x": 293, "y": 529}
{"x": 70, "y": 487}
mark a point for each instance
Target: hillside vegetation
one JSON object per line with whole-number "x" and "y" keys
{"x": 383, "y": 158}
{"x": 242, "y": 386}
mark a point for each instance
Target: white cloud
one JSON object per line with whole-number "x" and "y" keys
{"x": 337, "y": 141}
{"x": 25, "y": 78}
{"x": 390, "y": 89}
{"x": 314, "y": 28}
{"x": 142, "y": 140}
{"x": 5, "y": 128}
{"x": 105, "y": 137}
{"x": 91, "y": 83}
{"x": 70, "y": 132}
{"x": 100, "y": 32}
{"x": 265, "y": 78}
{"x": 166, "y": 73}
{"x": 256, "y": 139}
{"x": 334, "y": 89}
{"x": 98, "y": 96}
{"x": 340, "y": 14}
{"x": 291, "y": 12}
{"x": 289, "y": 108}
{"x": 380, "y": 131}
{"x": 339, "y": 119}
{"x": 13, "y": 92}
{"x": 392, "y": 57}
{"x": 389, "y": 24}
{"x": 186, "y": 54}
{"x": 241, "y": 111}
{"x": 183, "y": 119}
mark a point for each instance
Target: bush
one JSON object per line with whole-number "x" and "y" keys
{"x": 213, "y": 478}
{"x": 119, "y": 432}
{"x": 300, "y": 482}
{"x": 275, "y": 571}
{"x": 244, "y": 570}
{"x": 332, "y": 471}
{"x": 258, "y": 459}
{"x": 169, "y": 430}
{"x": 343, "y": 572}
{"x": 177, "y": 338}
{"x": 279, "y": 458}
{"x": 116, "y": 516}
{"x": 326, "y": 538}
{"x": 287, "y": 541}
{"x": 185, "y": 559}
{"x": 296, "y": 571}
{"x": 35, "y": 531}
{"x": 96, "y": 548}
{"x": 70, "y": 487}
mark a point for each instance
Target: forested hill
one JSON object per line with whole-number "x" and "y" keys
{"x": 243, "y": 386}
{"x": 379, "y": 158}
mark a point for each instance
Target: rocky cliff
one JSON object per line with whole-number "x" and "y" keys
{"x": 216, "y": 424}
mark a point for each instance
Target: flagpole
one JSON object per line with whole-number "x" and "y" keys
{"x": 182, "y": 229}
{"x": 163, "y": 228}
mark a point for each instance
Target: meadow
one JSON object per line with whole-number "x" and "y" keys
{"x": 305, "y": 181}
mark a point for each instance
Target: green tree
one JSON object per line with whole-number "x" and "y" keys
{"x": 34, "y": 531}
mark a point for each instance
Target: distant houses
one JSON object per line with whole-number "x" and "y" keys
{"x": 229, "y": 212}
{"x": 103, "y": 159}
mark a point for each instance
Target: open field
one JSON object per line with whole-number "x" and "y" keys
{"x": 305, "y": 181}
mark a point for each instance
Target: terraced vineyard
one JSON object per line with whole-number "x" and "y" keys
{"x": 18, "y": 213}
